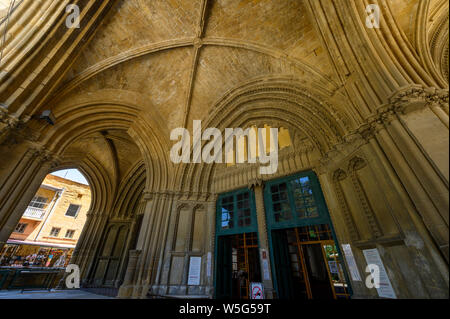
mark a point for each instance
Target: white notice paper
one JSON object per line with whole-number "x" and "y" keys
{"x": 265, "y": 264}
{"x": 195, "y": 265}
{"x": 266, "y": 269}
{"x": 373, "y": 257}
{"x": 352, "y": 267}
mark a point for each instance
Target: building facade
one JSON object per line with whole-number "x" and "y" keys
{"x": 50, "y": 226}
{"x": 361, "y": 182}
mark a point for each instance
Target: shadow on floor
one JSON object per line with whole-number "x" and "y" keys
{"x": 53, "y": 294}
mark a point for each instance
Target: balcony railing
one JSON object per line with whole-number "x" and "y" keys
{"x": 35, "y": 213}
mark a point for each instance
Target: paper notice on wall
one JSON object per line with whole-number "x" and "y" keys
{"x": 208, "y": 265}
{"x": 195, "y": 265}
{"x": 385, "y": 289}
{"x": 333, "y": 266}
{"x": 265, "y": 264}
{"x": 266, "y": 273}
{"x": 352, "y": 267}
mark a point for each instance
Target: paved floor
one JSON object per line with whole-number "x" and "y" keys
{"x": 54, "y": 294}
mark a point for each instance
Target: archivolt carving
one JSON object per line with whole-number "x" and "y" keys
{"x": 277, "y": 102}
{"x": 432, "y": 38}
{"x": 438, "y": 33}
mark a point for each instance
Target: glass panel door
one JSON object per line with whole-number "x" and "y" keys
{"x": 245, "y": 260}
{"x": 304, "y": 252}
{"x": 237, "y": 253}
{"x": 314, "y": 266}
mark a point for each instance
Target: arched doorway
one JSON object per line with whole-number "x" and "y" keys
{"x": 52, "y": 223}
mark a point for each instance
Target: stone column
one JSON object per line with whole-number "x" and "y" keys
{"x": 143, "y": 242}
{"x": 126, "y": 289}
{"x": 20, "y": 186}
{"x": 84, "y": 254}
{"x": 157, "y": 242}
{"x": 209, "y": 246}
{"x": 258, "y": 188}
{"x": 418, "y": 176}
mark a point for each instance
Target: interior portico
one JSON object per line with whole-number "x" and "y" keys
{"x": 366, "y": 111}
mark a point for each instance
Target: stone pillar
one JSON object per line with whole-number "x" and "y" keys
{"x": 20, "y": 185}
{"x": 258, "y": 187}
{"x": 143, "y": 242}
{"x": 209, "y": 246}
{"x": 164, "y": 284}
{"x": 85, "y": 252}
{"x": 187, "y": 254}
{"x": 159, "y": 239}
{"x": 418, "y": 174}
{"x": 126, "y": 289}
{"x": 151, "y": 242}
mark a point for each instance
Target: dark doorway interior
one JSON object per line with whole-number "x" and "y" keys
{"x": 307, "y": 264}
{"x": 237, "y": 265}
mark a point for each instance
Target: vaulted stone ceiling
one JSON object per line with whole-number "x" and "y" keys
{"x": 115, "y": 149}
{"x": 182, "y": 56}
{"x": 4, "y": 5}
{"x": 171, "y": 62}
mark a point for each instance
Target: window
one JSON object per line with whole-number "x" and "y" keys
{"x": 241, "y": 216}
{"x": 20, "y": 228}
{"x": 73, "y": 210}
{"x": 281, "y": 207}
{"x": 305, "y": 203}
{"x": 55, "y": 232}
{"x": 295, "y": 200}
{"x": 243, "y": 210}
{"x": 38, "y": 202}
{"x": 227, "y": 212}
{"x": 236, "y": 212}
{"x": 70, "y": 233}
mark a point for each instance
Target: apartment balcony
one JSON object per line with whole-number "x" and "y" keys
{"x": 34, "y": 213}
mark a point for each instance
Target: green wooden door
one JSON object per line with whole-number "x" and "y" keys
{"x": 236, "y": 214}
{"x": 290, "y": 202}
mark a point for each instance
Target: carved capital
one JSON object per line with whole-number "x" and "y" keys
{"x": 356, "y": 163}
{"x": 339, "y": 175}
{"x": 147, "y": 196}
{"x": 255, "y": 182}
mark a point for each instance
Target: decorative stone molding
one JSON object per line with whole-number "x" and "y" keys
{"x": 8, "y": 123}
{"x": 414, "y": 97}
{"x": 341, "y": 151}
{"x": 437, "y": 34}
{"x": 198, "y": 207}
{"x": 255, "y": 182}
{"x": 227, "y": 178}
{"x": 338, "y": 176}
{"x": 147, "y": 196}
{"x": 356, "y": 164}
{"x": 408, "y": 99}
